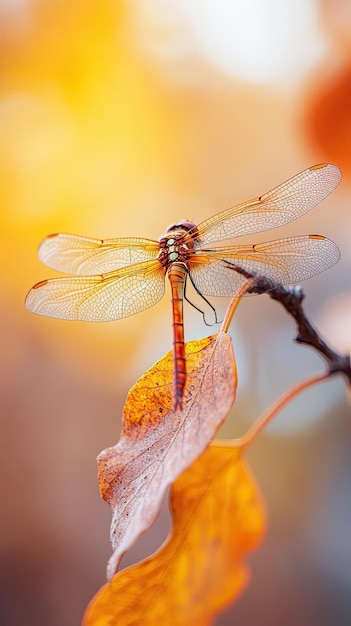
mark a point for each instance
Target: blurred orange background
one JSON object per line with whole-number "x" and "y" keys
{"x": 117, "y": 119}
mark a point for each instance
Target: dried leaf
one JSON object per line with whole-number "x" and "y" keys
{"x": 158, "y": 443}
{"x": 218, "y": 517}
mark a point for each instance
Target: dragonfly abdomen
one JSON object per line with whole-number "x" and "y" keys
{"x": 177, "y": 273}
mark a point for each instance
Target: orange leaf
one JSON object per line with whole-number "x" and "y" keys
{"x": 217, "y": 518}
{"x": 158, "y": 443}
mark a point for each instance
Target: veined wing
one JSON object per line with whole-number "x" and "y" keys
{"x": 100, "y": 298}
{"x": 82, "y": 255}
{"x": 283, "y": 204}
{"x": 284, "y": 261}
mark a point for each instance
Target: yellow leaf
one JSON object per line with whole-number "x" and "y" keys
{"x": 217, "y": 518}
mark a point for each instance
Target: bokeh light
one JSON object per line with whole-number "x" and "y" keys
{"x": 116, "y": 119}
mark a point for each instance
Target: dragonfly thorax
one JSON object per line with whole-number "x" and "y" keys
{"x": 174, "y": 247}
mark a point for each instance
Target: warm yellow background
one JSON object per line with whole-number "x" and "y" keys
{"x": 116, "y": 120}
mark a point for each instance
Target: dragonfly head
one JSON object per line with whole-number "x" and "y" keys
{"x": 183, "y": 225}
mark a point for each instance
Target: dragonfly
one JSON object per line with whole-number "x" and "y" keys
{"x": 115, "y": 278}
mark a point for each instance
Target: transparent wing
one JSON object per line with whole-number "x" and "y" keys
{"x": 81, "y": 255}
{"x": 99, "y": 298}
{"x": 283, "y": 204}
{"x": 284, "y": 261}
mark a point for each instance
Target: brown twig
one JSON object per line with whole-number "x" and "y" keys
{"x": 254, "y": 430}
{"x": 291, "y": 299}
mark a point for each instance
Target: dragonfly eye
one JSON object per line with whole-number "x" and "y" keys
{"x": 171, "y": 228}
{"x": 181, "y": 226}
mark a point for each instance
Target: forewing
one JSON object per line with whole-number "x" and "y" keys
{"x": 100, "y": 298}
{"x": 81, "y": 255}
{"x": 284, "y": 261}
{"x": 283, "y": 204}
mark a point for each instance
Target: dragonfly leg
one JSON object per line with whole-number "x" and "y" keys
{"x": 197, "y": 308}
